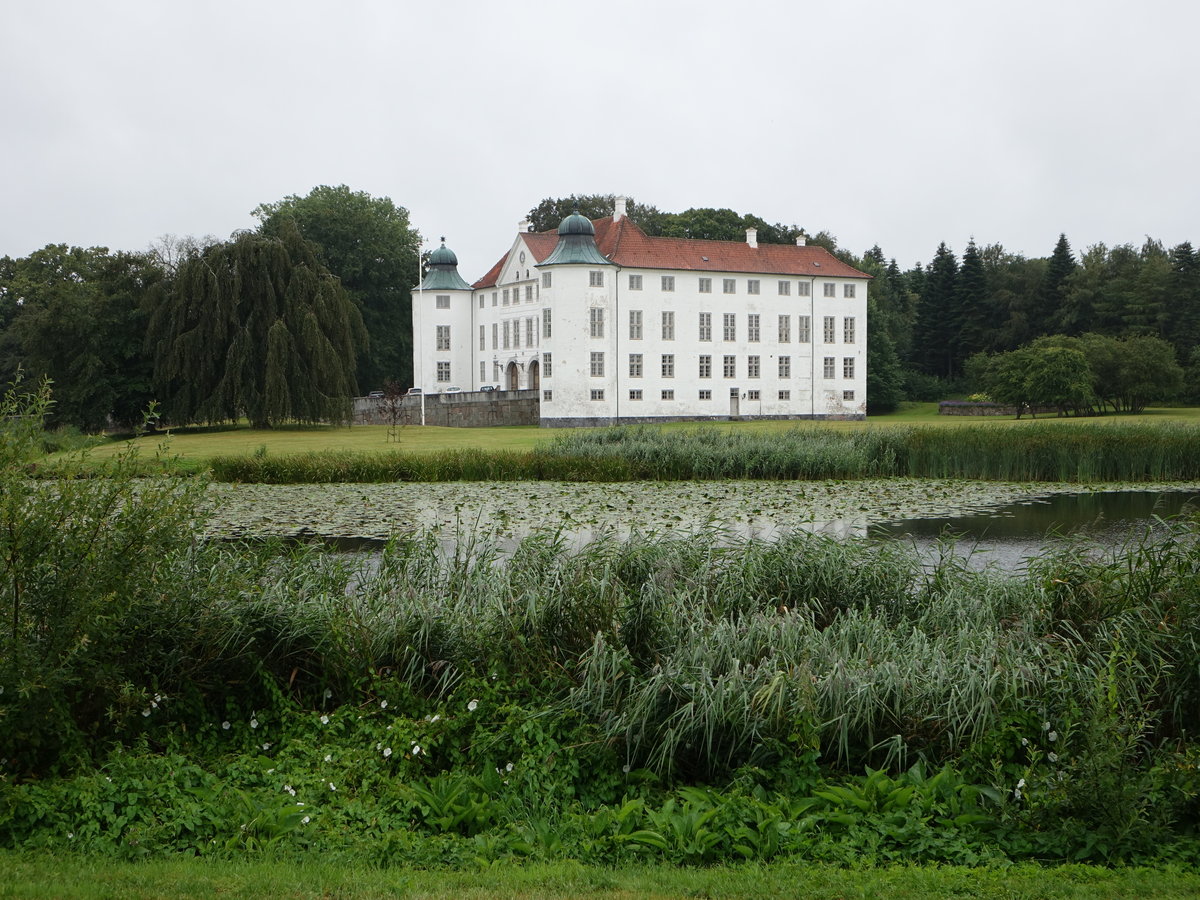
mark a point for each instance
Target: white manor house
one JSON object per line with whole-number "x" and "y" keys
{"x": 611, "y": 325}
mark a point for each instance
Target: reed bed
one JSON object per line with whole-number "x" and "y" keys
{"x": 699, "y": 656}
{"x": 1035, "y": 452}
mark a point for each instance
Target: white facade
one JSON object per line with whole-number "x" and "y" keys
{"x": 780, "y": 333}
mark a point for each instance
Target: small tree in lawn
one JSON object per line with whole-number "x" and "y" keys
{"x": 392, "y": 406}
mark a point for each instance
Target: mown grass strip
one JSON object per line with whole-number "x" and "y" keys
{"x": 75, "y": 878}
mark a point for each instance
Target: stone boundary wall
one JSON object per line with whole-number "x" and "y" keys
{"x": 470, "y": 409}
{"x": 970, "y": 408}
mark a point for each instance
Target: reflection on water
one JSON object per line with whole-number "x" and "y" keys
{"x": 1011, "y": 535}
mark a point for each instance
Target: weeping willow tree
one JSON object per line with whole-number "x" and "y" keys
{"x": 256, "y": 327}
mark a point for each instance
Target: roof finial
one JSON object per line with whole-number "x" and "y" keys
{"x": 443, "y": 240}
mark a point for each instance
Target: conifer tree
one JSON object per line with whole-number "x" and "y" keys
{"x": 979, "y": 320}
{"x": 936, "y": 334}
{"x": 1046, "y": 315}
{"x": 256, "y": 327}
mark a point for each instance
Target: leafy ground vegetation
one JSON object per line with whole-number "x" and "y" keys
{"x": 637, "y": 702}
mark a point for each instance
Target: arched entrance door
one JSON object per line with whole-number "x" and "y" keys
{"x": 514, "y": 377}
{"x": 535, "y": 375}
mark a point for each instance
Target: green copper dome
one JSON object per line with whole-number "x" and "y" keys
{"x": 576, "y": 224}
{"x": 442, "y": 274}
{"x": 443, "y": 256}
{"x": 576, "y": 244}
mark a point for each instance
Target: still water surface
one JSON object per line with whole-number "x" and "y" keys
{"x": 1010, "y": 535}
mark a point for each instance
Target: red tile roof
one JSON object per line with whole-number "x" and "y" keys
{"x": 628, "y": 246}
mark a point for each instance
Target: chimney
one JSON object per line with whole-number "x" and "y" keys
{"x": 752, "y": 237}
{"x": 523, "y": 226}
{"x": 801, "y": 240}
{"x": 619, "y": 213}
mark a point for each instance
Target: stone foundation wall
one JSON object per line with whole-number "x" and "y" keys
{"x": 470, "y": 409}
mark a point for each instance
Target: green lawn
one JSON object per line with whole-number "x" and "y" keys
{"x": 45, "y": 876}
{"x": 200, "y": 444}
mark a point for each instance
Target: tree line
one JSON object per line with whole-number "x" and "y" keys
{"x": 281, "y": 323}
{"x": 287, "y": 321}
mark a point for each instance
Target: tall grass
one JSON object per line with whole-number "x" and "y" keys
{"x": 1037, "y": 452}
{"x": 697, "y": 656}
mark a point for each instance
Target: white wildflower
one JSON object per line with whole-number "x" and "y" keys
{"x": 1024, "y": 742}
{"x": 226, "y": 725}
{"x": 383, "y": 704}
{"x": 328, "y": 693}
{"x": 471, "y": 707}
{"x": 332, "y": 786}
{"x": 625, "y": 768}
{"x": 1052, "y": 736}
{"x": 253, "y": 722}
{"x": 508, "y": 768}
{"x": 266, "y": 746}
{"x": 145, "y": 712}
{"x": 416, "y": 750}
{"x": 306, "y": 820}
{"x": 387, "y": 751}
{"x": 328, "y": 757}
{"x": 1053, "y": 757}
{"x": 288, "y": 789}
{"x": 1045, "y": 726}
{"x": 324, "y": 720}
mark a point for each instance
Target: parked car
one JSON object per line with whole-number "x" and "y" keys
{"x": 487, "y": 387}
{"x": 375, "y": 395}
{"x": 454, "y": 390}
{"x": 414, "y": 392}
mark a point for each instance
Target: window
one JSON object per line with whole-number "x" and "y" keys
{"x": 545, "y": 323}
{"x": 547, "y": 395}
{"x": 529, "y": 293}
{"x": 505, "y": 302}
{"x": 785, "y": 329}
{"x": 635, "y": 394}
{"x": 848, "y": 290}
{"x": 730, "y": 326}
{"x": 443, "y": 301}
{"x": 507, "y": 339}
{"x": 706, "y": 285}
{"x": 595, "y": 279}
{"x": 706, "y": 326}
{"x": 494, "y": 296}
{"x": 547, "y": 280}
{"x": 847, "y": 395}
{"x": 597, "y": 393}
{"x": 529, "y": 331}
{"x": 706, "y": 367}
{"x": 547, "y": 367}
{"x": 597, "y": 367}
{"x": 752, "y": 364}
{"x": 495, "y": 331}
{"x": 803, "y": 332}
{"x": 729, "y": 286}
{"x": 596, "y": 321}
{"x": 848, "y": 329}
{"x": 635, "y": 365}
{"x": 785, "y": 367}
{"x": 730, "y": 366}
{"x": 752, "y": 286}
{"x": 848, "y": 367}
{"x": 830, "y": 289}
{"x": 753, "y": 395}
{"x": 668, "y": 365}
{"x": 752, "y": 332}
{"x": 706, "y": 394}
{"x": 482, "y": 339}
{"x": 443, "y": 337}
{"x": 802, "y": 288}
{"x": 785, "y": 395}
{"x": 785, "y": 288}
{"x": 830, "y": 329}
{"x": 668, "y": 326}
{"x": 483, "y": 371}
{"x": 635, "y": 282}
{"x": 827, "y": 371}
{"x": 516, "y": 328}
{"x": 635, "y": 324}
{"x": 481, "y": 301}
{"x": 668, "y": 283}
{"x": 668, "y": 394}
{"x": 443, "y": 371}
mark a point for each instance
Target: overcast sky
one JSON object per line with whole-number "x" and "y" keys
{"x": 898, "y": 124}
